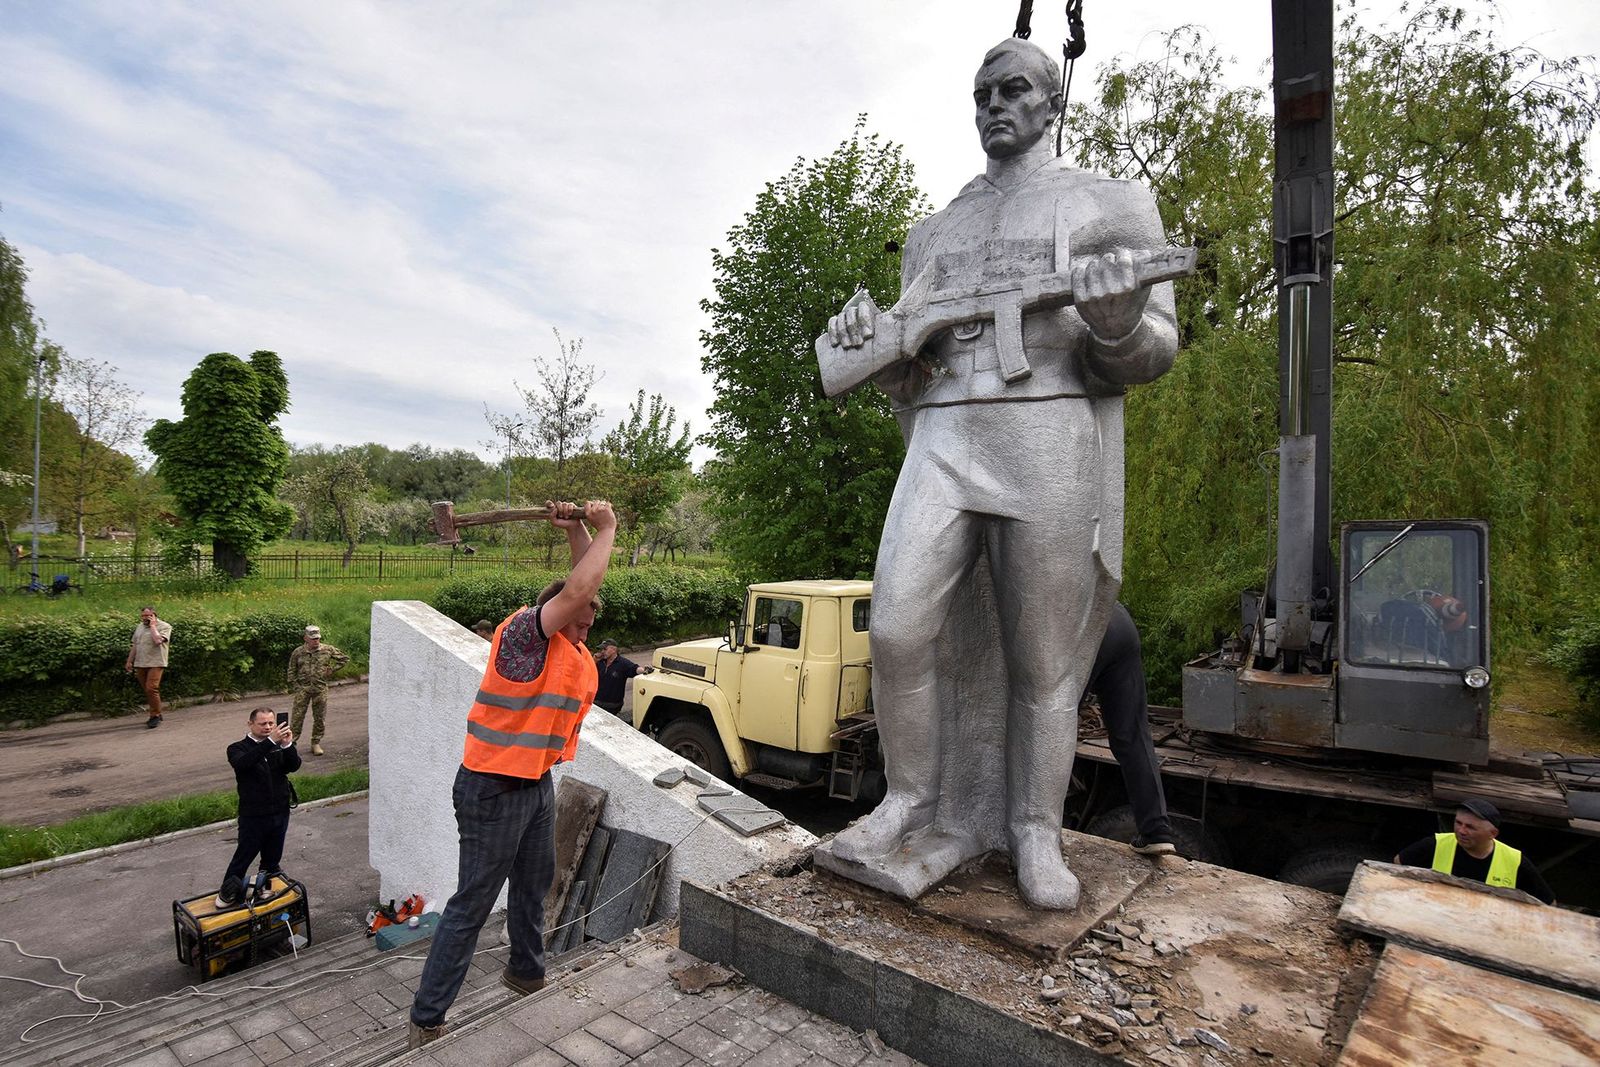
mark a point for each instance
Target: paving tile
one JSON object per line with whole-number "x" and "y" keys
{"x": 399, "y": 996}
{"x": 707, "y": 1046}
{"x": 545, "y": 1057}
{"x": 269, "y": 1048}
{"x": 783, "y": 1016}
{"x": 334, "y": 1011}
{"x": 622, "y": 1035}
{"x": 785, "y": 1053}
{"x": 755, "y": 1002}
{"x": 670, "y": 1020}
{"x": 404, "y": 968}
{"x": 889, "y": 1058}
{"x": 267, "y": 1019}
{"x": 586, "y": 1050}
{"x": 665, "y": 1054}
{"x": 832, "y": 1042}
{"x": 160, "y": 1056}
{"x": 237, "y": 1056}
{"x": 725, "y": 1022}
{"x": 555, "y": 1015}
{"x": 298, "y": 1037}
{"x": 649, "y": 1003}
{"x": 205, "y": 1044}
{"x": 496, "y": 1045}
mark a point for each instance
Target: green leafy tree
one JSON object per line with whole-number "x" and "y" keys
{"x": 22, "y": 347}
{"x": 102, "y": 417}
{"x": 339, "y": 492}
{"x": 803, "y": 482}
{"x": 652, "y": 464}
{"x": 223, "y": 461}
{"x": 1466, "y": 315}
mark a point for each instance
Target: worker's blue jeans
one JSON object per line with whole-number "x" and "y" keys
{"x": 507, "y": 828}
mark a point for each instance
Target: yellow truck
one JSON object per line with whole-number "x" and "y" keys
{"x": 783, "y": 699}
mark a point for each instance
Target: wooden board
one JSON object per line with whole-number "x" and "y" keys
{"x": 1423, "y": 1009}
{"x": 1499, "y": 929}
{"x": 1519, "y": 796}
{"x": 1339, "y": 783}
{"x": 578, "y": 808}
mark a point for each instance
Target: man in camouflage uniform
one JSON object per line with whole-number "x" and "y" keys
{"x": 310, "y": 667}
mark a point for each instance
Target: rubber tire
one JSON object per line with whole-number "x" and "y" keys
{"x": 1325, "y": 867}
{"x": 1207, "y": 846}
{"x": 693, "y": 738}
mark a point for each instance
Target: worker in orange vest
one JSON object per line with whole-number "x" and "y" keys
{"x": 538, "y": 685}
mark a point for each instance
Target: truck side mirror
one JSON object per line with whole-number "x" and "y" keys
{"x": 735, "y": 635}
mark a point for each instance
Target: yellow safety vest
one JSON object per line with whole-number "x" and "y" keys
{"x": 1503, "y": 861}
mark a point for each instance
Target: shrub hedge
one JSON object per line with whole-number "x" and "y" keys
{"x": 641, "y": 604}
{"x": 54, "y": 665}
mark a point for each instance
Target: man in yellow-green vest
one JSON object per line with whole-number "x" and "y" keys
{"x": 1474, "y": 851}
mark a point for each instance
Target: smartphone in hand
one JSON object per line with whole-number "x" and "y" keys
{"x": 283, "y": 719}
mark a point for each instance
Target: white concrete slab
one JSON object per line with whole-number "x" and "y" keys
{"x": 425, "y": 670}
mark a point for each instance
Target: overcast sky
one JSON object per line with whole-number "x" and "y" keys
{"x": 403, "y": 199}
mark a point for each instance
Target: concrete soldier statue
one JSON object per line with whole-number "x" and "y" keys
{"x": 1001, "y": 556}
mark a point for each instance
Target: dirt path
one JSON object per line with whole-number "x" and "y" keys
{"x": 53, "y": 773}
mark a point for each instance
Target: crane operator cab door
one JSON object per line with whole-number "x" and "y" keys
{"x": 1414, "y": 639}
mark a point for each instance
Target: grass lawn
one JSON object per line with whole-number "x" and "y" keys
{"x": 24, "y": 844}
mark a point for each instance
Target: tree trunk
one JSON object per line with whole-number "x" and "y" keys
{"x": 226, "y": 559}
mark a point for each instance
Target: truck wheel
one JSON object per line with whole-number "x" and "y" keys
{"x": 695, "y": 740}
{"x": 1328, "y": 868}
{"x": 1193, "y": 842}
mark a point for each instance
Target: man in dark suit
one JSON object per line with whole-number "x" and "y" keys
{"x": 262, "y": 761}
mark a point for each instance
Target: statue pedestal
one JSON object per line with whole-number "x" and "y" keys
{"x": 1159, "y": 960}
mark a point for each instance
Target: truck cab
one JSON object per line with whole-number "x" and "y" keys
{"x": 782, "y": 699}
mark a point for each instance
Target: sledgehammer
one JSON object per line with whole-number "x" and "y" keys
{"x": 445, "y": 521}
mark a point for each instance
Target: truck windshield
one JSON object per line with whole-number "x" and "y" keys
{"x": 1416, "y": 601}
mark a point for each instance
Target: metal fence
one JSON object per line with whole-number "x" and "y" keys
{"x": 283, "y": 566}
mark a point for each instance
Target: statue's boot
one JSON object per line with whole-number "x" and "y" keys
{"x": 1042, "y": 873}
{"x": 883, "y": 829}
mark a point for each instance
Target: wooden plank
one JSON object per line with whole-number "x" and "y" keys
{"x": 1500, "y": 929}
{"x": 1260, "y": 772}
{"x": 1516, "y": 796}
{"x": 1422, "y": 1009}
{"x": 578, "y": 808}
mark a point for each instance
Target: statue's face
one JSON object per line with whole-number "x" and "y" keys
{"x": 1014, "y": 105}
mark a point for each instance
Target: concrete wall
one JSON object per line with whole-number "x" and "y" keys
{"x": 425, "y": 670}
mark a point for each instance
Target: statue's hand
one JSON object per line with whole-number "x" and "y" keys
{"x": 1107, "y": 293}
{"x": 852, "y": 327}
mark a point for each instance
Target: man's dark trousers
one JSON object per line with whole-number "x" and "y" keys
{"x": 507, "y": 828}
{"x": 259, "y": 833}
{"x": 1118, "y": 680}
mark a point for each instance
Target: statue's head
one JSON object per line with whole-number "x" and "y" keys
{"x": 1017, "y": 93}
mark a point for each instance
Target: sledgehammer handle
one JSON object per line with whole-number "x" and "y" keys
{"x": 480, "y": 518}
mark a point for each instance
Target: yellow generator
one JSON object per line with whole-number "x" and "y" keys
{"x": 214, "y": 939}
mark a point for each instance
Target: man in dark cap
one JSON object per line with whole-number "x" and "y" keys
{"x": 615, "y": 670}
{"x": 1474, "y": 852}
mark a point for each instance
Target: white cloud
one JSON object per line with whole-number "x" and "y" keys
{"x": 402, "y": 199}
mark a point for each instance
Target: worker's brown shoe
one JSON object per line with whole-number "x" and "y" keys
{"x": 520, "y": 984}
{"x": 316, "y": 748}
{"x": 417, "y": 1036}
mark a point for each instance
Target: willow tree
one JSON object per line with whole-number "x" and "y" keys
{"x": 1467, "y": 322}
{"x": 802, "y": 482}
{"x": 223, "y": 461}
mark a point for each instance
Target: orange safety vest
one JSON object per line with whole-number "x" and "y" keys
{"x": 522, "y": 729}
